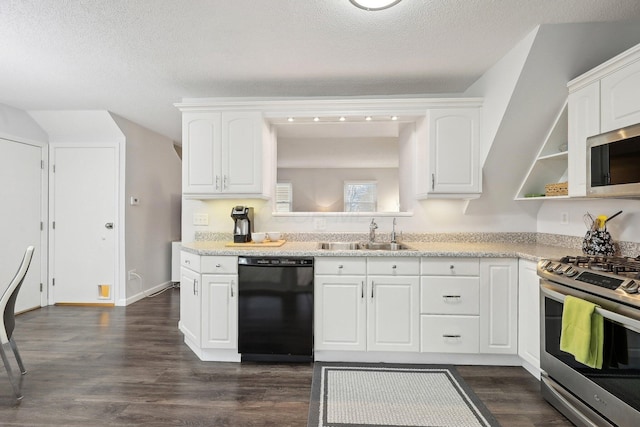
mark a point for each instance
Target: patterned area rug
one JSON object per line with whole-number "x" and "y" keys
{"x": 347, "y": 394}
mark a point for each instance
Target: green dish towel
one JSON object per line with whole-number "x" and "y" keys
{"x": 582, "y": 331}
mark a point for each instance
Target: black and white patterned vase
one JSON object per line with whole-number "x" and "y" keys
{"x": 598, "y": 242}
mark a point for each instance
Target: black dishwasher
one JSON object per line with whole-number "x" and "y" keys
{"x": 275, "y": 309}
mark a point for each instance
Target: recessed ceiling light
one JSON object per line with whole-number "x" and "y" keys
{"x": 342, "y": 119}
{"x": 374, "y": 4}
{"x": 394, "y": 117}
{"x": 290, "y": 119}
{"x": 316, "y": 119}
{"x": 368, "y": 118}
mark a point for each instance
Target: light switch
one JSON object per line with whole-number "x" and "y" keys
{"x": 200, "y": 219}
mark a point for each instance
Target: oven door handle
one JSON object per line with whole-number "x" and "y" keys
{"x": 625, "y": 321}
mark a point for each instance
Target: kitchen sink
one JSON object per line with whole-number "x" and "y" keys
{"x": 339, "y": 246}
{"x": 383, "y": 246}
{"x": 375, "y": 246}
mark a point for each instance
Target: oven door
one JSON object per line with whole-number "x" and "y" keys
{"x": 612, "y": 392}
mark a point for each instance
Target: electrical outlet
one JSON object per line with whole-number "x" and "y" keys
{"x": 200, "y": 219}
{"x": 134, "y": 201}
{"x": 564, "y": 218}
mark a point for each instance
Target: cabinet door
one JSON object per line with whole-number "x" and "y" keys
{"x": 219, "y": 311}
{"x": 190, "y": 305}
{"x": 393, "y": 313}
{"x": 498, "y": 305}
{"x": 241, "y": 152}
{"x": 454, "y": 150}
{"x": 584, "y": 121}
{"x": 620, "y": 93}
{"x": 340, "y": 313}
{"x": 529, "y": 313}
{"x": 200, "y": 142}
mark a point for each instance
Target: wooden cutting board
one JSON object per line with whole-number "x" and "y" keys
{"x": 268, "y": 244}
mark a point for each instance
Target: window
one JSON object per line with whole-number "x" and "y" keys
{"x": 360, "y": 196}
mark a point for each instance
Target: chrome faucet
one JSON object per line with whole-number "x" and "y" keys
{"x": 393, "y": 232}
{"x": 372, "y": 230}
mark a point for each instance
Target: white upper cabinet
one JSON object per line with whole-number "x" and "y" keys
{"x": 620, "y": 93}
{"x": 584, "y": 121}
{"x": 451, "y": 153}
{"x": 223, "y": 154}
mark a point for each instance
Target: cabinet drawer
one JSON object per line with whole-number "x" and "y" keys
{"x": 449, "y": 334}
{"x": 450, "y": 266}
{"x": 396, "y": 266}
{"x": 219, "y": 264}
{"x": 450, "y": 295}
{"x": 189, "y": 260}
{"x": 340, "y": 265}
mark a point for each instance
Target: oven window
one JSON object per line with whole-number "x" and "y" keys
{"x": 620, "y": 373}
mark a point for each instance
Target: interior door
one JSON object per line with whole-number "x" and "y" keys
{"x": 83, "y": 229}
{"x": 21, "y": 188}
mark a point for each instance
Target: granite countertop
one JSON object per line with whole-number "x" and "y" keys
{"x": 529, "y": 251}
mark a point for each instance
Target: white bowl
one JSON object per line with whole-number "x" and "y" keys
{"x": 274, "y": 235}
{"x": 258, "y": 237}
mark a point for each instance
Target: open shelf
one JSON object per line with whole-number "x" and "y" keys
{"x": 551, "y": 163}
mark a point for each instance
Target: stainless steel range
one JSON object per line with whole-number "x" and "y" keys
{"x": 593, "y": 397}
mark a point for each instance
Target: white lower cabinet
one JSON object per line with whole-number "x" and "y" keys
{"x": 449, "y": 305}
{"x": 209, "y": 301}
{"x": 219, "y": 311}
{"x": 529, "y": 314}
{"x": 340, "y": 313}
{"x": 190, "y": 304}
{"x": 499, "y": 305}
{"x": 449, "y": 334}
{"x": 392, "y": 313}
{"x": 361, "y": 312}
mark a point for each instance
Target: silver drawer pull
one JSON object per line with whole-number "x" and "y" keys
{"x": 340, "y": 266}
{"x": 394, "y": 266}
{"x": 448, "y": 298}
{"x": 451, "y": 336}
{"x": 218, "y": 266}
{"x": 186, "y": 261}
{"x": 451, "y": 267}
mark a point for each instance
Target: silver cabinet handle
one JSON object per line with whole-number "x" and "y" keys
{"x": 224, "y": 182}
{"x": 451, "y": 336}
{"x": 195, "y": 287}
{"x": 362, "y": 289}
{"x": 394, "y": 266}
{"x": 450, "y": 297}
{"x": 218, "y": 266}
{"x": 231, "y": 287}
{"x": 372, "y": 286}
{"x": 217, "y": 182}
{"x": 109, "y": 226}
{"x": 451, "y": 267}
{"x": 186, "y": 261}
{"x": 340, "y": 266}
{"x": 433, "y": 181}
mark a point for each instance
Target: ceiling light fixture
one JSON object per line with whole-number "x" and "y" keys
{"x": 342, "y": 119}
{"x": 394, "y": 117}
{"x": 374, "y": 4}
{"x": 368, "y": 118}
{"x": 290, "y": 119}
{"x": 316, "y": 119}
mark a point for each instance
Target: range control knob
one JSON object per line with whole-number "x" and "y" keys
{"x": 544, "y": 264}
{"x": 630, "y": 287}
{"x": 550, "y": 267}
{"x": 570, "y": 271}
{"x": 559, "y": 269}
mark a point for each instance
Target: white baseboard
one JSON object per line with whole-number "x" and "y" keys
{"x": 140, "y": 295}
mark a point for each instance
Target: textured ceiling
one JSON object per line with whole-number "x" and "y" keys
{"x": 137, "y": 57}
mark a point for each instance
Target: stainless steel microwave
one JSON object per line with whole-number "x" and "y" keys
{"x": 613, "y": 163}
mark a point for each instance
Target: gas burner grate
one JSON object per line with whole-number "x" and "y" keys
{"x": 624, "y": 266}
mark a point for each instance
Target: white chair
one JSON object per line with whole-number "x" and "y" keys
{"x": 8, "y": 322}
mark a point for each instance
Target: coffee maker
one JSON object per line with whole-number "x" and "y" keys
{"x": 242, "y": 223}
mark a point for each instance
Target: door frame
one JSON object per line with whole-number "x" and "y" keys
{"x": 119, "y": 294}
{"x": 44, "y": 211}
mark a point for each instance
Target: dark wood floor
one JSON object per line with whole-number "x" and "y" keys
{"x": 92, "y": 366}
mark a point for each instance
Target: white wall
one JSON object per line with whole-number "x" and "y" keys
{"x": 152, "y": 176}
{"x": 323, "y": 189}
{"x": 17, "y": 125}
